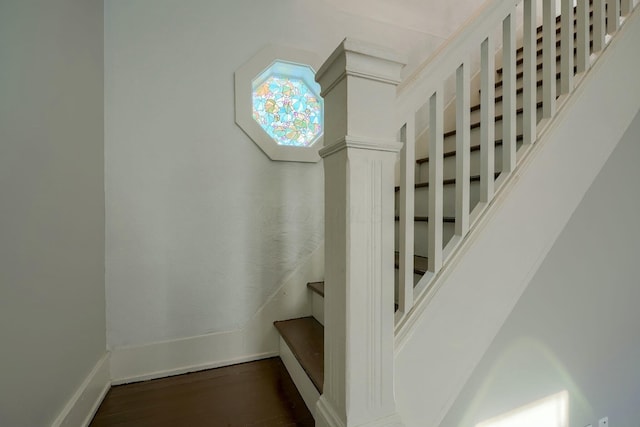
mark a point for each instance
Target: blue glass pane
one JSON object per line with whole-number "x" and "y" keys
{"x": 288, "y": 110}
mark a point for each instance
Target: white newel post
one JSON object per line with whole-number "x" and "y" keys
{"x": 359, "y": 88}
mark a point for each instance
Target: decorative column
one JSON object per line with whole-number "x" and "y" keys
{"x": 359, "y": 88}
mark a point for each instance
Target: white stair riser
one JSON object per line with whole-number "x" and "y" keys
{"x": 520, "y": 66}
{"x": 449, "y": 165}
{"x": 450, "y": 141}
{"x": 449, "y": 199}
{"x": 519, "y": 80}
{"x": 307, "y": 390}
{"x": 421, "y": 233}
{"x": 539, "y": 42}
{"x": 396, "y": 280}
{"x": 475, "y": 115}
{"x": 317, "y": 307}
{"x": 450, "y": 117}
{"x": 538, "y": 88}
{"x": 317, "y": 300}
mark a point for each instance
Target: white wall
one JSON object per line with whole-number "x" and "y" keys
{"x": 201, "y": 226}
{"x": 52, "y": 304}
{"x": 576, "y": 325}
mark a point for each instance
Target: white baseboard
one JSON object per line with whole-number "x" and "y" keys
{"x": 258, "y": 339}
{"x": 175, "y": 357}
{"x": 84, "y": 403}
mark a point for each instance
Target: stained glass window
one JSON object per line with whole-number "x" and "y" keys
{"x": 287, "y": 105}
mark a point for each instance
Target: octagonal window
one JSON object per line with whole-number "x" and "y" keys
{"x": 286, "y": 103}
{"x": 278, "y": 103}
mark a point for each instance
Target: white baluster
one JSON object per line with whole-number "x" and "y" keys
{"x": 435, "y": 180}
{"x": 613, "y": 16}
{"x": 625, "y": 7}
{"x": 529, "y": 73}
{"x": 407, "y": 214}
{"x": 582, "y": 36}
{"x": 463, "y": 146}
{"x": 566, "y": 46}
{"x": 508, "y": 95}
{"x": 487, "y": 119}
{"x": 599, "y": 29}
{"x": 549, "y": 57}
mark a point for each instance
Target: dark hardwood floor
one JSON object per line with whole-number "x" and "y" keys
{"x": 256, "y": 394}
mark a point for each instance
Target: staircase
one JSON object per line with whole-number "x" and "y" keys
{"x": 470, "y": 143}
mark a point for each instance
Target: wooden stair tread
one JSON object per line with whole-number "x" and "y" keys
{"x": 317, "y": 287}
{"x": 305, "y": 338}
{"x": 420, "y": 264}
{"x": 538, "y": 41}
{"x": 558, "y": 29}
{"x": 520, "y": 60}
{"x": 419, "y": 218}
{"x": 518, "y": 90}
{"x": 559, "y": 17}
{"x": 450, "y": 181}
{"x": 496, "y": 119}
{"x": 520, "y": 74}
{"x": 575, "y": 9}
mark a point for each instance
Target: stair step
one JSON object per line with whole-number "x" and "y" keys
{"x": 420, "y": 267}
{"x": 519, "y": 90}
{"x": 420, "y": 263}
{"x": 497, "y": 119}
{"x": 448, "y": 219}
{"x": 539, "y": 51}
{"x": 558, "y": 18}
{"x": 453, "y": 152}
{"x": 520, "y": 60}
{"x": 317, "y": 287}
{"x": 452, "y": 181}
{"x": 538, "y": 65}
{"x": 558, "y": 29}
{"x": 305, "y": 338}
{"x": 317, "y": 300}
{"x": 520, "y": 74}
{"x": 575, "y": 8}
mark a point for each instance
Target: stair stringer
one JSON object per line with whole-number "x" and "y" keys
{"x": 453, "y": 324}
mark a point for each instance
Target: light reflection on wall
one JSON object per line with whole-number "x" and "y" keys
{"x": 552, "y": 411}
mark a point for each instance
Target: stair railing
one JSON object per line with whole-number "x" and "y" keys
{"x": 427, "y": 84}
{"x": 365, "y": 111}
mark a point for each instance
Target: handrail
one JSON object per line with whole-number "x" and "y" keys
{"x": 425, "y": 88}
{"x": 416, "y": 88}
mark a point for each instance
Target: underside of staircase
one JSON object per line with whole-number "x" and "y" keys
{"x": 302, "y": 339}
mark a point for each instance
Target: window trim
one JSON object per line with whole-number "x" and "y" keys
{"x": 244, "y": 77}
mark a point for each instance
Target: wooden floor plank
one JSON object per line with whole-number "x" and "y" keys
{"x": 250, "y": 394}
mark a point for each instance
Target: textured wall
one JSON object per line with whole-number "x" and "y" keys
{"x": 201, "y": 226}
